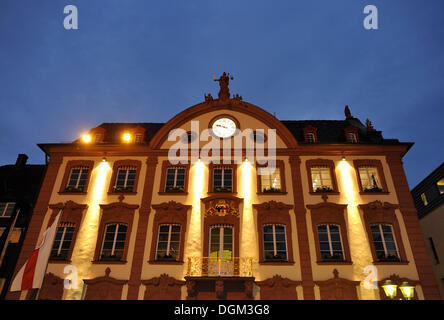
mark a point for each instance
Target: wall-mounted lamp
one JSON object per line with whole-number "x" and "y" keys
{"x": 127, "y": 137}
{"x": 408, "y": 290}
{"x": 86, "y": 138}
{"x": 389, "y": 289}
{"x": 103, "y": 159}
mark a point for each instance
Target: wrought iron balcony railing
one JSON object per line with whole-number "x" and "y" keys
{"x": 220, "y": 267}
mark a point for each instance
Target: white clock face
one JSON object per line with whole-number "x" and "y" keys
{"x": 224, "y": 127}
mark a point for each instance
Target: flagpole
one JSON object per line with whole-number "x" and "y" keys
{"x": 47, "y": 262}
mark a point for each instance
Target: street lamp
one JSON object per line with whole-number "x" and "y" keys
{"x": 408, "y": 290}
{"x": 389, "y": 289}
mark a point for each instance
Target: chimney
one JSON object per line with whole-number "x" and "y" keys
{"x": 21, "y": 160}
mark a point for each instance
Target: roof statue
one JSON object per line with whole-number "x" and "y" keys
{"x": 369, "y": 125}
{"x": 224, "y": 80}
{"x": 347, "y": 112}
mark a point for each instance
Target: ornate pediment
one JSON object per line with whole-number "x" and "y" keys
{"x": 377, "y": 205}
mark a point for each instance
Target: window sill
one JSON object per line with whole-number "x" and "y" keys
{"x": 271, "y": 193}
{"x": 324, "y": 192}
{"x": 109, "y": 262}
{"x": 391, "y": 262}
{"x": 370, "y": 193}
{"x": 343, "y": 262}
{"x": 165, "y": 262}
{"x": 221, "y": 193}
{"x": 276, "y": 263}
{"x": 173, "y": 193}
{"x": 72, "y": 193}
{"x": 121, "y": 192}
{"x": 59, "y": 261}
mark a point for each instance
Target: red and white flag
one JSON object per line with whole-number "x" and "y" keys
{"x": 32, "y": 273}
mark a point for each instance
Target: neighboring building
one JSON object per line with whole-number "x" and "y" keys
{"x": 136, "y": 226}
{"x": 19, "y": 187}
{"x": 429, "y": 201}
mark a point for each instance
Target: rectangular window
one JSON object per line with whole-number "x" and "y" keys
{"x": 330, "y": 243}
{"x": 168, "y": 242}
{"x": 223, "y": 179}
{"x": 77, "y": 179}
{"x": 270, "y": 180}
{"x": 113, "y": 241}
{"x": 369, "y": 178}
{"x": 440, "y": 185}
{"x": 62, "y": 241}
{"x": 6, "y": 209}
{"x": 424, "y": 199}
{"x": 321, "y": 179}
{"x": 275, "y": 244}
{"x": 175, "y": 179}
{"x": 435, "y": 254}
{"x": 125, "y": 179}
{"x": 384, "y": 242}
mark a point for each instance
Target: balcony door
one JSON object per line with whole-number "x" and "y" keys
{"x": 221, "y": 251}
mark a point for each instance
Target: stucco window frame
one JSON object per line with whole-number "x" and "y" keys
{"x": 330, "y": 213}
{"x": 281, "y": 166}
{"x": 124, "y": 163}
{"x": 72, "y": 214}
{"x": 71, "y": 164}
{"x": 322, "y": 163}
{"x": 357, "y": 163}
{"x": 277, "y": 213}
{"x": 383, "y": 213}
{"x": 166, "y": 164}
{"x": 117, "y": 212}
{"x": 233, "y": 168}
{"x": 169, "y": 213}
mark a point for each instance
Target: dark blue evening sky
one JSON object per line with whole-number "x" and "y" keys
{"x": 145, "y": 61}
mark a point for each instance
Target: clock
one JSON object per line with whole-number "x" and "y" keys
{"x": 224, "y": 127}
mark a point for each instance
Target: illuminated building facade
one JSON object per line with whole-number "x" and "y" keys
{"x": 428, "y": 196}
{"x": 333, "y": 220}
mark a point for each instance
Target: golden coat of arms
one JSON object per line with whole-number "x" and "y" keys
{"x": 221, "y": 208}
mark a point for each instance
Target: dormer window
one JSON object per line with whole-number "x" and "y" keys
{"x": 138, "y": 138}
{"x": 97, "y": 138}
{"x": 351, "y": 134}
{"x": 310, "y": 137}
{"x": 310, "y": 133}
{"x": 351, "y": 137}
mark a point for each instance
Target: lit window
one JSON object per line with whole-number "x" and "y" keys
{"x": 369, "y": 178}
{"x": 270, "y": 180}
{"x": 126, "y": 177}
{"x": 351, "y": 137}
{"x": 384, "y": 242}
{"x": 175, "y": 179}
{"x": 62, "y": 241}
{"x": 113, "y": 241}
{"x": 424, "y": 199}
{"x": 440, "y": 185}
{"x": 309, "y": 137}
{"x": 275, "y": 244}
{"x": 77, "y": 179}
{"x": 168, "y": 242}
{"x": 330, "y": 243}
{"x": 222, "y": 179}
{"x": 6, "y": 209}
{"x": 321, "y": 179}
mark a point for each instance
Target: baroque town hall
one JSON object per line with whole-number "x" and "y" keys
{"x": 334, "y": 220}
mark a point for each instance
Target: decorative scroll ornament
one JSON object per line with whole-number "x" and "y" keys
{"x": 221, "y": 208}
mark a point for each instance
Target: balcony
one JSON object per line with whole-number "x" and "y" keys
{"x": 220, "y": 267}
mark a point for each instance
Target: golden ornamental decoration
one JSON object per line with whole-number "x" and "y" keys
{"x": 221, "y": 208}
